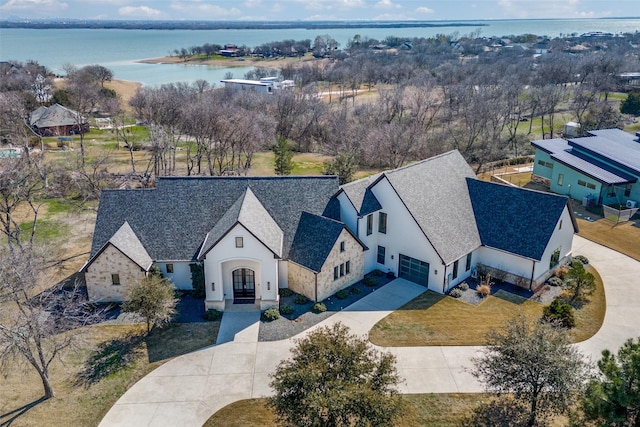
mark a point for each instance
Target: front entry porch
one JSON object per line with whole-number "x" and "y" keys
{"x": 244, "y": 286}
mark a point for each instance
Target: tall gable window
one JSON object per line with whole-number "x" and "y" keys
{"x": 169, "y": 268}
{"x": 381, "y": 254}
{"x": 239, "y": 242}
{"x": 369, "y": 224}
{"x": 455, "y": 270}
{"x": 115, "y": 279}
{"x": 467, "y": 267}
{"x": 336, "y": 272}
{"x": 341, "y": 246}
{"x": 382, "y": 222}
{"x": 560, "y": 179}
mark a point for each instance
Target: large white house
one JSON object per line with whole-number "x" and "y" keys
{"x": 431, "y": 222}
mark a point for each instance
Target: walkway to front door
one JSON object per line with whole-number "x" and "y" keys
{"x": 244, "y": 286}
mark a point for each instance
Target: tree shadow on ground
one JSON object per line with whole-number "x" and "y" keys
{"x": 110, "y": 357}
{"x": 8, "y": 418}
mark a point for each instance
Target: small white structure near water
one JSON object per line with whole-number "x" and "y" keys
{"x": 265, "y": 84}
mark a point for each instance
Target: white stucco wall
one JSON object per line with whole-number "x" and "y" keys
{"x": 283, "y": 272}
{"x": 463, "y": 273}
{"x": 348, "y": 213}
{"x": 403, "y": 236}
{"x": 222, "y": 259}
{"x": 562, "y": 238}
{"x": 181, "y": 276}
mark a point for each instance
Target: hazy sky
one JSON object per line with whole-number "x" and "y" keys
{"x": 318, "y": 9}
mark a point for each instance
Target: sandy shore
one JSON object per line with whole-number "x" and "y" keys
{"x": 125, "y": 89}
{"x": 231, "y": 62}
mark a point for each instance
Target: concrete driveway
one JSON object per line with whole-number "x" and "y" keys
{"x": 187, "y": 390}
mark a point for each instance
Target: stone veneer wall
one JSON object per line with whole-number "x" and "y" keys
{"x": 302, "y": 280}
{"x": 98, "y": 276}
{"x": 353, "y": 252}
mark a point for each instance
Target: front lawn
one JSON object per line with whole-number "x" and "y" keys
{"x": 121, "y": 354}
{"x": 434, "y": 319}
{"x": 622, "y": 237}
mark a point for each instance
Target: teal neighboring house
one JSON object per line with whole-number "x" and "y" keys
{"x": 601, "y": 168}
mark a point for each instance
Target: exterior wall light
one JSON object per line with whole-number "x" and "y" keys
{"x": 213, "y": 286}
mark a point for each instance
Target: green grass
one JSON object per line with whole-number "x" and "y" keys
{"x": 46, "y": 231}
{"x": 59, "y": 206}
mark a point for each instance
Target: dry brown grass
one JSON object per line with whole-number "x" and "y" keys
{"x": 85, "y": 403}
{"x": 623, "y": 237}
{"x": 434, "y": 319}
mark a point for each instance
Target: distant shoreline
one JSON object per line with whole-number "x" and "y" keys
{"x": 228, "y": 62}
{"x": 230, "y": 25}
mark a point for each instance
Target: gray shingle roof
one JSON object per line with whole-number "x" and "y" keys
{"x": 127, "y": 242}
{"x": 56, "y": 115}
{"x": 313, "y": 241}
{"x": 249, "y": 212}
{"x": 361, "y": 197}
{"x": 435, "y": 193}
{"x": 514, "y": 219}
{"x": 173, "y": 219}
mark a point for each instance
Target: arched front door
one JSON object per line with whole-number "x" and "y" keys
{"x": 244, "y": 284}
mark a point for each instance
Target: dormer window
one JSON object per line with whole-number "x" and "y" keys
{"x": 239, "y": 242}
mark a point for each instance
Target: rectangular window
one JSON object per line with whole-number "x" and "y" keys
{"x": 560, "y": 226}
{"x": 560, "y": 179}
{"x": 467, "y": 266}
{"x": 239, "y": 242}
{"x": 541, "y": 162}
{"x": 336, "y": 272}
{"x": 627, "y": 190}
{"x": 381, "y": 254}
{"x": 347, "y": 267}
{"x": 341, "y": 246}
{"x": 455, "y": 270}
{"x": 591, "y": 186}
{"x": 115, "y": 279}
{"x": 582, "y": 183}
{"x": 382, "y": 222}
{"x": 549, "y": 165}
{"x": 341, "y": 270}
{"x": 369, "y": 224}
{"x": 611, "y": 191}
{"x": 169, "y": 268}
{"x": 555, "y": 258}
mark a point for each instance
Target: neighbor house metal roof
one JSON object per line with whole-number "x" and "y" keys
{"x": 513, "y": 219}
{"x": 614, "y": 145}
{"x": 593, "y": 168}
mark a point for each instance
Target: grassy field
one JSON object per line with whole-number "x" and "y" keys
{"x": 623, "y": 237}
{"x": 435, "y": 319}
{"x": 122, "y": 355}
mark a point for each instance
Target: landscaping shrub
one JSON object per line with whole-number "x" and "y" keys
{"x": 270, "y": 314}
{"x": 369, "y": 281}
{"x": 555, "y": 281}
{"x": 483, "y": 290}
{"x": 355, "y": 290}
{"x": 463, "y": 286}
{"x": 456, "y": 293}
{"x": 581, "y": 258}
{"x": 561, "y": 272}
{"x": 319, "y": 308}
{"x": 286, "y": 309}
{"x": 560, "y": 313}
{"x": 342, "y": 294}
{"x": 377, "y": 273}
{"x": 212, "y": 314}
{"x": 300, "y": 299}
{"x": 285, "y": 292}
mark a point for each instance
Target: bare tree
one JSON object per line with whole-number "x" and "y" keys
{"x": 34, "y": 316}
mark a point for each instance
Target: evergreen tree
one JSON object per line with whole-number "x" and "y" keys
{"x": 283, "y": 156}
{"x": 631, "y": 105}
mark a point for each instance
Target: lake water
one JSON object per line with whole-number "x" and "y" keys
{"x": 120, "y": 49}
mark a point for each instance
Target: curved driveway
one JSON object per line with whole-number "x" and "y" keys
{"x": 187, "y": 390}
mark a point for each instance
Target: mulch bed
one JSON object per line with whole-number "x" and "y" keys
{"x": 544, "y": 295}
{"x": 289, "y": 325}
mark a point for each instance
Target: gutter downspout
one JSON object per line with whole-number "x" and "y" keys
{"x": 444, "y": 278}
{"x": 533, "y": 268}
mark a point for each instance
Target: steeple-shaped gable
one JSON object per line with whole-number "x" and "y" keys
{"x": 252, "y": 215}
